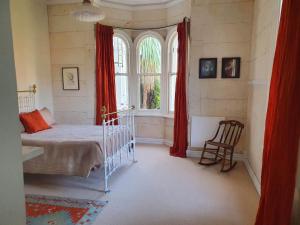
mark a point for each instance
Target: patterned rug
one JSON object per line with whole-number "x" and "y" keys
{"x": 46, "y": 210}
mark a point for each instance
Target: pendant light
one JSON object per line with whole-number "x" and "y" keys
{"x": 87, "y": 12}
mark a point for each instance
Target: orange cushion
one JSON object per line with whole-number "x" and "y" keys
{"x": 33, "y": 122}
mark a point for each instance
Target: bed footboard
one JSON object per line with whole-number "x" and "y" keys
{"x": 118, "y": 141}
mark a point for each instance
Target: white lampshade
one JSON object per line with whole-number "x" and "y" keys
{"x": 88, "y": 13}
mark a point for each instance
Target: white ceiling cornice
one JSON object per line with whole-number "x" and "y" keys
{"x": 107, "y": 3}
{"x": 137, "y": 6}
{"x": 57, "y": 2}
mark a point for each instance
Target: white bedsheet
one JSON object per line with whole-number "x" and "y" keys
{"x": 69, "y": 150}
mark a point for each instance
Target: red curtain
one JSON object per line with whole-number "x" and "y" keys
{"x": 180, "y": 142}
{"x": 105, "y": 72}
{"x": 282, "y": 130}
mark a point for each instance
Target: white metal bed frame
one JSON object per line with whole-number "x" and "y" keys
{"x": 118, "y": 134}
{"x": 26, "y": 99}
{"x": 119, "y": 130}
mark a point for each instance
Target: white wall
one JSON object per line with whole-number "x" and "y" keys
{"x": 12, "y": 207}
{"x": 31, "y": 48}
{"x": 264, "y": 35}
{"x": 220, "y": 29}
{"x": 73, "y": 44}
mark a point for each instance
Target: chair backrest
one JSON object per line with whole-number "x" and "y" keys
{"x": 229, "y": 132}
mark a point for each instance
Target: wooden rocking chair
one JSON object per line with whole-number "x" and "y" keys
{"x": 221, "y": 147}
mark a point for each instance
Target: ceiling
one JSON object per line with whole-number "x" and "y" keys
{"x": 129, "y": 4}
{"x": 138, "y": 2}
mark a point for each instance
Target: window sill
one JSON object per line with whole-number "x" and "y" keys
{"x": 167, "y": 116}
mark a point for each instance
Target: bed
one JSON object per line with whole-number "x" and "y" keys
{"x": 75, "y": 150}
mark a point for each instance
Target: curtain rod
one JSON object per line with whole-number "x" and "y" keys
{"x": 151, "y": 28}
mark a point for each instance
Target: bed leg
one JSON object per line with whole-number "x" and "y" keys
{"x": 106, "y": 189}
{"x": 133, "y": 136}
{"x": 133, "y": 154}
{"x": 106, "y": 163}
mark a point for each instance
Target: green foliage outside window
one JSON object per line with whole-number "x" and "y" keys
{"x": 150, "y": 63}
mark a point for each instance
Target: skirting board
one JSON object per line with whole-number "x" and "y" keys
{"x": 237, "y": 157}
{"x": 153, "y": 141}
{"x": 253, "y": 176}
{"x": 197, "y": 154}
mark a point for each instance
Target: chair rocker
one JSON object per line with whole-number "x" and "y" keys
{"x": 221, "y": 147}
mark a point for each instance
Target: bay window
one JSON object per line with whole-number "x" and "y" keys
{"x": 149, "y": 70}
{"x": 173, "y": 56}
{"x": 121, "y": 71}
{"x": 149, "y": 81}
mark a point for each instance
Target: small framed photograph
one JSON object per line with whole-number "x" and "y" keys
{"x": 208, "y": 68}
{"x": 70, "y": 78}
{"x": 231, "y": 67}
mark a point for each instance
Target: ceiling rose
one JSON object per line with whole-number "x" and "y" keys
{"x": 87, "y": 12}
{"x": 138, "y": 2}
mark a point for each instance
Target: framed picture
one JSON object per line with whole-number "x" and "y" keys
{"x": 231, "y": 67}
{"x": 207, "y": 68}
{"x": 70, "y": 78}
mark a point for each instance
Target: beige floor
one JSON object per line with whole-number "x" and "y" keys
{"x": 162, "y": 190}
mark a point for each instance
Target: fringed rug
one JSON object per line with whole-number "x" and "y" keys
{"x": 46, "y": 210}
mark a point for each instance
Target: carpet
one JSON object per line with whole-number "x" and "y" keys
{"x": 47, "y": 210}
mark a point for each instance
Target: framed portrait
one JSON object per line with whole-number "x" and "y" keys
{"x": 231, "y": 67}
{"x": 208, "y": 68}
{"x": 70, "y": 78}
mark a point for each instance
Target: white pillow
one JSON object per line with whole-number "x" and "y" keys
{"x": 47, "y": 115}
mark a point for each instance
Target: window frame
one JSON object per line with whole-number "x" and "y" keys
{"x": 137, "y": 43}
{"x": 128, "y": 43}
{"x": 134, "y": 76}
{"x": 172, "y": 35}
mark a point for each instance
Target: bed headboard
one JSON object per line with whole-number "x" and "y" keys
{"x": 26, "y": 99}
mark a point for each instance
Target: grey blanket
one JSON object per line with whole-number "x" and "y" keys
{"x": 68, "y": 150}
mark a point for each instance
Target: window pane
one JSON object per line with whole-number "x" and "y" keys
{"x": 172, "y": 84}
{"x": 120, "y": 60}
{"x": 120, "y": 55}
{"x": 149, "y": 56}
{"x": 122, "y": 92}
{"x": 150, "y": 92}
{"x": 174, "y": 54}
{"x": 173, "y": 72}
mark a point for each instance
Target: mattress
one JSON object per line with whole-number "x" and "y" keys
{"x": 68, "y": 150}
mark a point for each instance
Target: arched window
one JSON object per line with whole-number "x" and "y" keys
{"x": 172, "y": 70}
{"x": 149, "y": 70}
{"x": 121, "y": 71}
